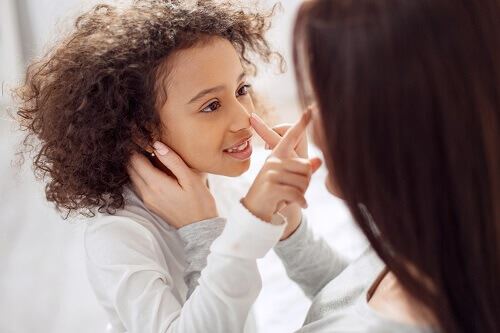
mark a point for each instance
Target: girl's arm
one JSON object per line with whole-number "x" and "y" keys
{"x": 130, "y": 278}
{"x": 309, "y": 260}
{"x": 197, "y": 239}
{"x": 230, "y": 282}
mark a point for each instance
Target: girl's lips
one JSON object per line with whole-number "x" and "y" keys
{"x": 242, "y": 154}
{"x": 239, "y": 143}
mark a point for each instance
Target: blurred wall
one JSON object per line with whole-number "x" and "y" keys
{"x": 11, "y": 60}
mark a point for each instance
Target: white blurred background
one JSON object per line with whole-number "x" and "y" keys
{"x": 43, "y": 283}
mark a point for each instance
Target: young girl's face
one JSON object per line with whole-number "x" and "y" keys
{"x": 207, "y": 108}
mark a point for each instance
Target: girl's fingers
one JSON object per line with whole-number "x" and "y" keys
{"x": 287, "y": 145}
{"x": 315, "y": 163}
{"x": 131, "y": 166}
{"x": 173, "y": 162}
{"x": 281, "y": 206}
{"x": 302, "y": 166}
{"x": 267, "y": 134}
{"x": 143, "y": 169}
{"x": 298, "y": 165}
{"x": 282, "y": 129}
{"x": 138, "y": 183}
{"x": 301, "y": 182}
{"x": 145, "y": 175}
{"x": 290, "y": 194}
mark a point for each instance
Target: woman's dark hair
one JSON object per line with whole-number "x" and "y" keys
{"x": 88, "y": 102}
{"x": 409, "y": 96}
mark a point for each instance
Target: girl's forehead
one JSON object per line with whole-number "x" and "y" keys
{"x": 212, "y": 62}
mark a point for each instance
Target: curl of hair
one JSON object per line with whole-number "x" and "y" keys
{"x": 85, "y": 104}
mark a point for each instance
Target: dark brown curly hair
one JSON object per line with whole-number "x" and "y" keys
{"x": 88, "y": 102}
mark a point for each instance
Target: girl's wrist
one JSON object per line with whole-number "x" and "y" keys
{"x": 293, "y": 215}
{"x": 264, "y": 217}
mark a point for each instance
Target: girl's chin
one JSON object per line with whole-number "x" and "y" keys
{"x": 235, "y": 169}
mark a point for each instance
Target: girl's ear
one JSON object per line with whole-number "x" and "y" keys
{"x": 144, "y": 144}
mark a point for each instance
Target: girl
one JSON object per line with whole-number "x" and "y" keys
{"x": 408, "y": 120}
{"x": 125, "y": 78}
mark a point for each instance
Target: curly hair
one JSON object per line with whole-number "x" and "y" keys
{"x": 85, "y": 104}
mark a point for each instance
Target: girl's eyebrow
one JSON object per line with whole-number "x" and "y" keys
{"x": 207, "y": 91}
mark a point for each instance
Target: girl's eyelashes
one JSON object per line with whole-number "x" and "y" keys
{"x": 212, "y": 107}
{"x": 215, "y": 105}
{"x": 244, "y": 89}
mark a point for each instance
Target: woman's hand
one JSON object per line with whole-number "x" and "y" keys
{"x": 284, "y": 178}
{"x": 180, "y": 201}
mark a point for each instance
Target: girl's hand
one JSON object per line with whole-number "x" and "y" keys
{"x": 284, "y": 178}
{"x": 180, "y": 201}
{"x": 272, "y": 136}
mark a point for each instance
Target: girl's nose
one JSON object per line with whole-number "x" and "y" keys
{"x": 240, "y": 118}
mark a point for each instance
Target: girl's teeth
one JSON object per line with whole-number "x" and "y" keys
{"x": 239, "y": 148}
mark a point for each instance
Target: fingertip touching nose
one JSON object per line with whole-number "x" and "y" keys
{"x": 241, "y": 118}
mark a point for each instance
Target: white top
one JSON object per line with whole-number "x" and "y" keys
{"x": 136, "y": 265}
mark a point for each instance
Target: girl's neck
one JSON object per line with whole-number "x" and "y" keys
{"x": 204, "y": 177}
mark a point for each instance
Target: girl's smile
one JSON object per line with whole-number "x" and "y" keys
{"x": 206, "y": 114}
{"x": 241, "y": 150}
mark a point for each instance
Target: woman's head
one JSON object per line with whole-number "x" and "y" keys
{"x": 409, "y": 97}
{"x": 174, "y": 71}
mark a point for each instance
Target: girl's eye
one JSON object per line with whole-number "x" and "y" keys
{"x": 244, "y": 90}
{"x": 211, "y": 107}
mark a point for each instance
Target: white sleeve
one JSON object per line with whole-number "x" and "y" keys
{"x": 129, "y": 276}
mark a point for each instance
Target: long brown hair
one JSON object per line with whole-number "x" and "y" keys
{"x": 409, "y": 96}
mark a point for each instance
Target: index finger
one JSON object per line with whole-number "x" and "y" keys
{"x": 290, "y": 140}
{"x": 264, "y": 131}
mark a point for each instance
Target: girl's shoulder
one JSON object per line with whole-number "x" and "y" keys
{"x": 134, "y": 219}
{"x": 117, "y": 226}
{"x": 109, "y": 239}
{"x": 130, "y": 232}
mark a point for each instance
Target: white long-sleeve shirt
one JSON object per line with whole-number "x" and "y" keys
{"x": 138, "y": 268}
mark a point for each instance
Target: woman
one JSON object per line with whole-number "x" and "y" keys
{"x": 123, "y": 80}
{"x": 408, "y": 100}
